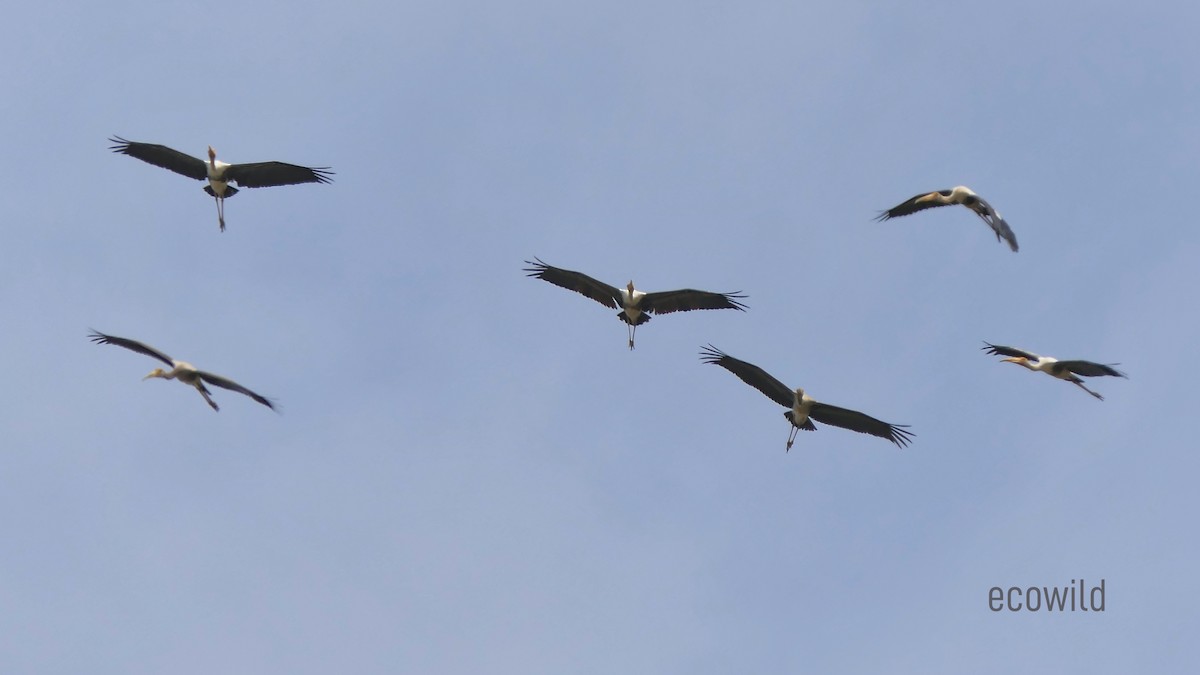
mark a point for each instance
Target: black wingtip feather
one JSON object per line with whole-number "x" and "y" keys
{"x": 120, "y": 144}
{"x": 536, "y": 268}
{"x": 994, "y": 350}
{"x": 901, "y": 436}
{"x": 710, "y": 354}
{"x": 733, "y": 299}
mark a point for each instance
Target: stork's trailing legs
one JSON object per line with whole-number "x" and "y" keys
{"x": 792, "y": 437}
{"x": 1080, "y": 385}
{"x": 221, "y": 212}
{"x": 204, "y": 392}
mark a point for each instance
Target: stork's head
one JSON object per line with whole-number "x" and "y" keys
{"x": 799, "y": 394}
{"x": 212, "y": 156}
{"x": 157, "y": 372}
{"x": 629, "y": 287}
{"x": 1020, "y": 361}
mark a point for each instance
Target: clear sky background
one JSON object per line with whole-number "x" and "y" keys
{"x": 471, "y": 472}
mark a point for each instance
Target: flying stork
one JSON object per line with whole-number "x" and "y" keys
{"x": 180, "y": 370}
{"x": 636, "y": 306}
{"x": 1063, "y": 370}
{"x": 803, "y": 408}
{"x": 220, "y": 174}
{"x": 958, "y": 195}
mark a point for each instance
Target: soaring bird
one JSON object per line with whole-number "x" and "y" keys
{"x": 958, "y": 195}
{"x": 636, "y": 306}
{"x": 803, "y": 408}
{"x": 180, "y": 370}
{"x": 1063, "y": 370}
{"x": 220, "y": 174}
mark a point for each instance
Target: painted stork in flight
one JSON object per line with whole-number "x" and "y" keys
{"x": 219, "y": 174}
{"x": 636, "y": 306}
{"x": 180, "y": 370}
{"x": 958, "y": 195}
{"x": 803, "y": 409}
{"x": 1063, "y": 370}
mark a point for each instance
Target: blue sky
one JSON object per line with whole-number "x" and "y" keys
{"x": 471, "y": 472}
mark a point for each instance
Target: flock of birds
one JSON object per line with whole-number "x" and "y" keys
{"x": 635, "y": 306}
{"x": 219, "y": 176}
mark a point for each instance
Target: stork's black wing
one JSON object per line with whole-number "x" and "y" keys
{"x": 576, "y": 281}
{"x": 1001, "y": 350}
{"x": 860, "y": 422}
{"x": 271, "y": 174}
{"x": 998, "y": 224}
{"x": 102, "y": 339}
{"x": 687, "y": 299}
{"x": 1090, "y": 369}
{"x": 224, "y": 383}
{"x": 913, "y": 205}
{"x": 750, "y": 374}
{"x": 161, "y": 155}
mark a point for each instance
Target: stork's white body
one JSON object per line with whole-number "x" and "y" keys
{"x": 187, "y": 374}
{"x": 181, "y": 370}
{"x": 216, "y": 174}
{"x": 801, "y": 408}
{"x": 802, "y": 405}
{"x": 630, "y": 299}
{"x": 958, "y": 195}
{"x": 1045, "y": 363}
{"x": 218, "y": 185}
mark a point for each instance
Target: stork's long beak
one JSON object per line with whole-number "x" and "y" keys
{"x": 212, "y": 156}
{"x": 1011, "y": 359}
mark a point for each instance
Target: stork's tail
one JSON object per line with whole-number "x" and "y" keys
{"x": 642, "y": 318}
{"x": 229, "y": 191}
{"x": 807, "y": 426}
